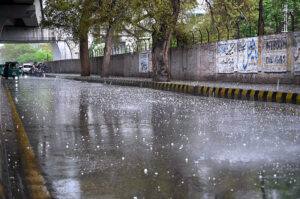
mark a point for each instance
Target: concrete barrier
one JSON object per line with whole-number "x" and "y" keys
{"x": 266, "y": 59}
{"x": 205, "y": 91}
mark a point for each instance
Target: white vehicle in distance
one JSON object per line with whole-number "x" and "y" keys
{"x": 27, "y": 68}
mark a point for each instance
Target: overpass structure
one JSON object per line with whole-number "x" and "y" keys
{"x": 20, "y": 23}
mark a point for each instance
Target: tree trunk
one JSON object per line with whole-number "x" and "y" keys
{"x": 84, "y": 56}
{"x": 276, "y": 24}
{"x": 238, "y": 30}
{"x": 160, "y": 61}
{"x": 107, "y": 52}
{"x": 293, "y": 14}
{"x": 161, "y": 44}
{"x": 293, "y": 22}
{"x": 260, "y": 18}
{"x": 211, "y": 12}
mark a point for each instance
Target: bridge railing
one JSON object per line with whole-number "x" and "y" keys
{"x": 32, "y": 35}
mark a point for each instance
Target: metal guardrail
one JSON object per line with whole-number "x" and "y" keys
{"x": 140, "y": 46}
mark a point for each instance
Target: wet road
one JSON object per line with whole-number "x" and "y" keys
{"x": 102, "y": 141}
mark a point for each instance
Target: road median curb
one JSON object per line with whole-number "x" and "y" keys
{"x": 219, "y": 92}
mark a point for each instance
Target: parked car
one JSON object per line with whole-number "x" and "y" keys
{"x": 27, "y": 68}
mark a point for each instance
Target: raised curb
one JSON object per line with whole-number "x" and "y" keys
{"x": 2, "y": 183}
{"x": 5, "y": 188}
{"x": 227, "y": 93}
{"x": 35, "y": 182}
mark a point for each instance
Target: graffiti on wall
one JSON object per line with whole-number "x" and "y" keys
{"x": 145, "y": 63}
{"x": 248, "y": 55}
{"x": 227, "y": 56}
{"x": 297, "y": 55}
{"x": 275, "y": 55}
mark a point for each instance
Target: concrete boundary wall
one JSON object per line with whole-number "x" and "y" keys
{"x": 266, "y": 59}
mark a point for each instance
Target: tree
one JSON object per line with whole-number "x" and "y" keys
{"x": 266, "y": 15}
{"x": 230, "y": 17}
{"x": 159, "y": 17}
{"x": 27, "y": 57}
{"x": 260, "y": 18}
{"x": 23, "y": 53}
{"x": 81, "y": 17}
{"x": 111, "y": 14}
{"x": 11, "y": 52}
{"x": 273, "y": 15}
{"x": 76, "y": 18}
{"x": 47, "y": 48}
{"x": 41, "y": 55}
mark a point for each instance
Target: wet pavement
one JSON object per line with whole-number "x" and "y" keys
{"x": 100, "y": 141}
{"x": 12, "y": 176}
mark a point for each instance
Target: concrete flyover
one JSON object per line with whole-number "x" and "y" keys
{"x": 20, "y": 23}
{"x": 19, "y": 13}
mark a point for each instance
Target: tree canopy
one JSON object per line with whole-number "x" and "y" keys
{"x": 239, "y": 18}
{"x": 70, "y": 17}
{"x": 75, "y": 18}
{"x": 273, "y": 15}
{"x": 159, "y": 18}
{"x": 226, "y": 19}
{"x": 164, "y": 21}
{"x": 26, "y": 53}
{"x": 80, "y": 18}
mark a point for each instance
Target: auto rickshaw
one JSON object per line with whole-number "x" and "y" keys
{"x": 2, "y": 69}
{"x": 13, "y": 69}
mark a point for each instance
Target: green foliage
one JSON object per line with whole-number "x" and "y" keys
{"x": 41, "y": 55}
{"x": 73, "y": 17}
{"x": 110, "y": 14}
{"x": 47, "y": 48}
{"x": 26, "y": 57}
{"x": 10, "y": 52}
{"x": 158, "y": 17}
{"x": 79, "y": 17}
{"x": 229, "y": 16}
{"x": 25, "y": 53}
{"x": 273, "y": 15}
{"x": 187, "y": 30}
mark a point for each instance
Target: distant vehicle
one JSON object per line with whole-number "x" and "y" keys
{"x": 43, "y": 67}
{"x": 2, "y": 69}
{"x": 13, "y": 69}
{"x": 27, "y": 68}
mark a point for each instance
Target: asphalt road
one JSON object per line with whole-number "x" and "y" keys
{"x": 100, "y": 141}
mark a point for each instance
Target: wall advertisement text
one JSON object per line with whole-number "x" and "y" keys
{"x": 275, "y": 55}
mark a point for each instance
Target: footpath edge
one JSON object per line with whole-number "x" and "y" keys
{"x": 219, "y": 92}
{"x": 35, "y": 182}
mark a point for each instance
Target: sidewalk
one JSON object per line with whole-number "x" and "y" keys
{"x": 21, "y": 175}
{"x": 6, "y": 126}
{"x": 282, "y": 93}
